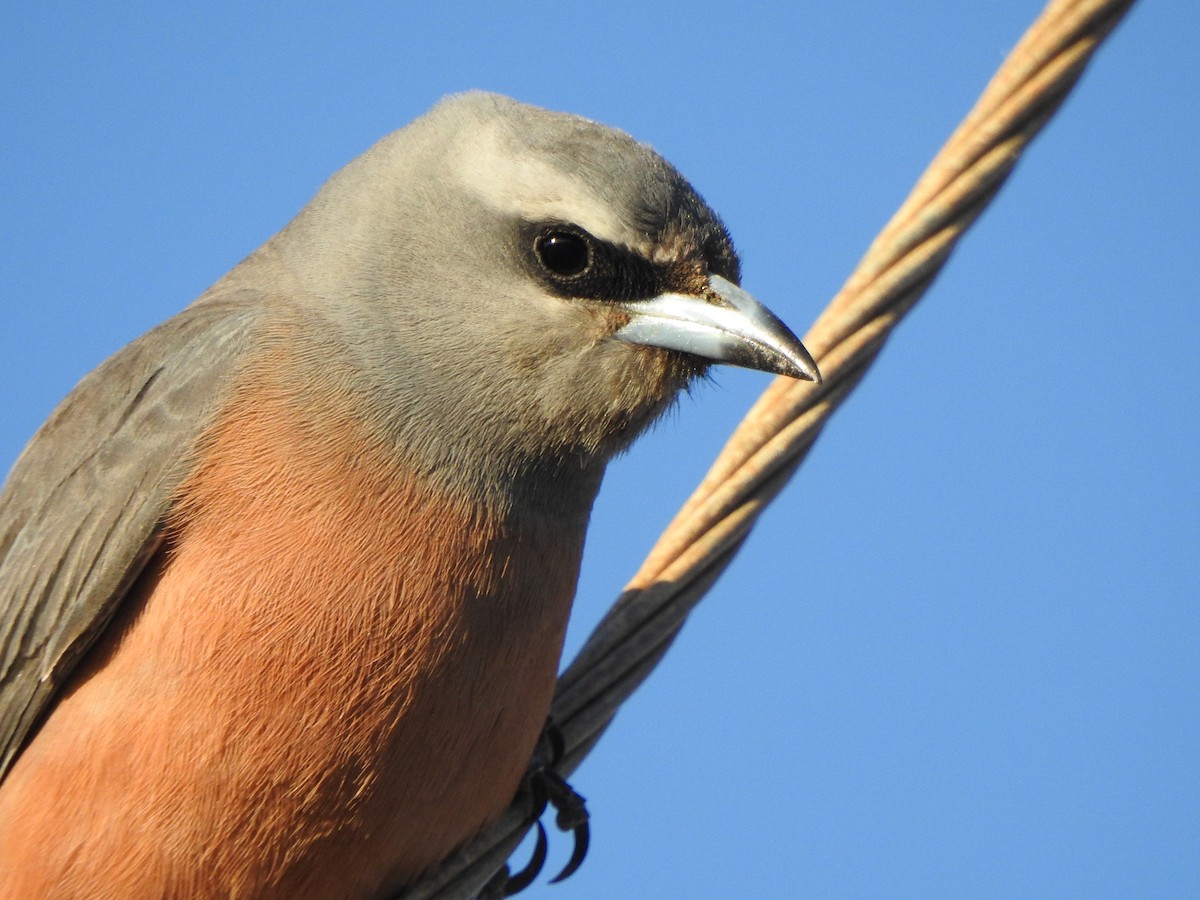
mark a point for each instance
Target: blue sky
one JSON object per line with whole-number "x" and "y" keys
{"x": 958, "y": 657}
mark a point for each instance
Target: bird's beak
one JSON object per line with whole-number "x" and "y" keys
{"x": 729, "y": 326}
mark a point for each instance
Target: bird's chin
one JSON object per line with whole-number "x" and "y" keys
{"x": 653, "y": 388}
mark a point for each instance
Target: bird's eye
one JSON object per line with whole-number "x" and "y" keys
{"x": 564, "y": 253}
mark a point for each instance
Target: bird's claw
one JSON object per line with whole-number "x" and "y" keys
{"x": 571, "y": 815}
{"x": 513, "y": 884}
{"x": 548, "y": 788}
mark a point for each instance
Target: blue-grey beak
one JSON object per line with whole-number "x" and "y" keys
{"x": 728, "y": 327}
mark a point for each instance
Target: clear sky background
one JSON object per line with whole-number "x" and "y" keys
{"x": 960, "y": 656}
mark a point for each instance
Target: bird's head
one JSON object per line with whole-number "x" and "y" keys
{"x": 525, "y": 285}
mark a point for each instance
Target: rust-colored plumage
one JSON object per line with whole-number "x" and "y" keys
{"x": 303, "y": 564}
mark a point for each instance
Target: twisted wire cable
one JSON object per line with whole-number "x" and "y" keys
{"x": 777, "y": 433}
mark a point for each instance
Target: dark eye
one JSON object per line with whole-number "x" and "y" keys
{"x": 565, "y": 253}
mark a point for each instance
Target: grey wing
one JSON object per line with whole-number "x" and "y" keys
{"x": 82, "y": 509}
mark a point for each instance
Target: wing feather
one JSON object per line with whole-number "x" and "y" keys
{"x": 82, "y": 510}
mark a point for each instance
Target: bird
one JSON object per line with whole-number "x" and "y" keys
{"x": 284, "y": 582}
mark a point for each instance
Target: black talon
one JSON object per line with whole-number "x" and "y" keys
{"x": 582, "y": 838}
{"x": 523, "y": 879}
{"x": 547, "y": 788}
{"x": 571, "y": 815}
